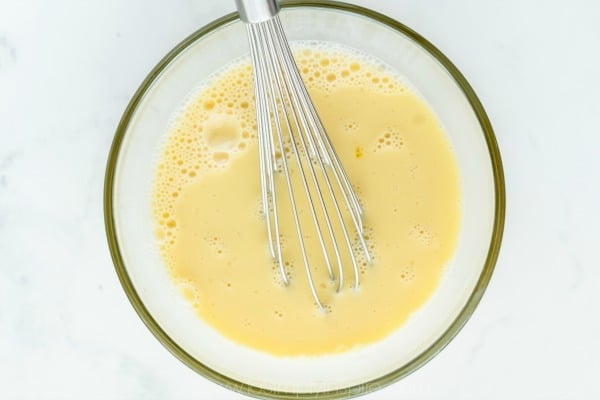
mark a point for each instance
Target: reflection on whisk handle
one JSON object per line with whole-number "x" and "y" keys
{"x": 253, "y": 11}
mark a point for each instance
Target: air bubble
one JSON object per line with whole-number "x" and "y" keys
{"x": 422, "y": 234}
{"x": 407, "y": 273}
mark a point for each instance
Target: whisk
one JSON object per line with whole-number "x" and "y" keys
{"x": 286, "y": 114}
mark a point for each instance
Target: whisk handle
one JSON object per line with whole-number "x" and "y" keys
{"x": 252, "y": 11}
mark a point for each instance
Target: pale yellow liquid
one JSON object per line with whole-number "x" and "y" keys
{"x": 213, "y": 238}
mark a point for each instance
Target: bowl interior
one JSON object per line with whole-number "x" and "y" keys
{"x": 159, "y": 303}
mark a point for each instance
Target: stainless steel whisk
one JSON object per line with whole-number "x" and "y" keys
{"x": 284, "y": 107}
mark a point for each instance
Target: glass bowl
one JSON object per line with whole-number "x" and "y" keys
{"x": 129, "y": 222}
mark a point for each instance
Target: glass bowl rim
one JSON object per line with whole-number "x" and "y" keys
{"x": 362, "y": 388}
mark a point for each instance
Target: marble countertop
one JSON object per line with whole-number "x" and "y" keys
{"x": 68, "y": 69}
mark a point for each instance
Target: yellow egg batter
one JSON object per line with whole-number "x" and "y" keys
{"x": 213, "y": 239}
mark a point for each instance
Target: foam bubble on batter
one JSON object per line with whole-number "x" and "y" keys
{"x": 422, "y": 234}
{"x": 359, "y": 250}
{"x": 407, "y": 273}
{"x": 276, "y": 273}
{"x": 388, "y": 140}
{"x": 216, "y": 244}
{"x": 350, "y": 125}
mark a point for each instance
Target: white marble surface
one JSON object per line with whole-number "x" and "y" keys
{"x": 67, "y": 71}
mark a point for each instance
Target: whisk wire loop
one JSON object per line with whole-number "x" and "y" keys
{"x": 290, "y": 131}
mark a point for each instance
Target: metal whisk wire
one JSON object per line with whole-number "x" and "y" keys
{"x": 283, "y": 105}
